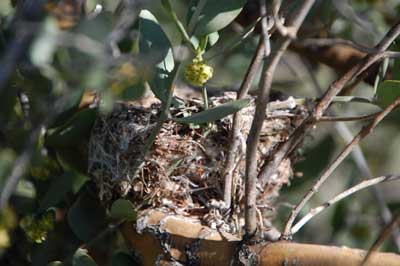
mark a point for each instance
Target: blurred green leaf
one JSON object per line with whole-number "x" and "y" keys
{"x": 7, "y": 157}
{"x": 230, "y": 43}
{"x": 96, "y": 28}
{"x": 316, "y": 158}
{"x": 59, "y": 187}
{"x": 73, "y": 131}
{"x": 388, "y": 92}
{"x": 81, "y": 258}
{"x": 123, "y": 209}
{"x": 215, "y": 15}
{"x": 155, "y": 47}
{"x": 214, "y": 113}
{"x": 55, "y": 263}
{"x": 69, "y": 108}
{"x": 338, "y": 221}
{"x": 122, "y": 259}
{"x": 86, "y": 217}
{"x": 45, "y": 45}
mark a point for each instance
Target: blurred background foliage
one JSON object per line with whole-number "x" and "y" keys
{"x": 71, "y": 58}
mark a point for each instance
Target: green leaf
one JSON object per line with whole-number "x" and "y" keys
{"x": 97, "y": 28}
{"x": 73, "y": 131}
{"x": 86, "y": 217}
{"x": 213, "y": 38}
{"x": 230, "y": 43}
{"x": 81, "y": 258}
{"x": 122, "y": 259}
{"x": 45, "y": 45}
{"x": 123, "y": 209}
{"x": 215, "y": 113}
{"x": 215, "y": 15}
{"x": 155, "y": 47}
{"x": 69, "y": 108}
{"x": 388, "y": 92}
{"x": 55, "y": 263}
{"x": 58, "y": 189}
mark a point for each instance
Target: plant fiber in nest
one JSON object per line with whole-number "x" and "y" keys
{"x": 183, "y": 172}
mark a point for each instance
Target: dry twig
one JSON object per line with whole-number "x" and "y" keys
{"x": 365, "y": 131}
{"x": 382, "y": 237}
{"x": 364, "y": 184}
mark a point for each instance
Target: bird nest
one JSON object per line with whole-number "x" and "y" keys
{"x": 183, "y": 172}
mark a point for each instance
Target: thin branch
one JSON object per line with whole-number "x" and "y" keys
{"x": 338, "y": 85}
{"x": 165, "y": 114}
{"x": 337, "y": 41}
{"x": 360, "y": 162}
{"x": 333, "y": 165}
{"x": 259, "y": 116}
{"x": 192, "y": 23}
{"x": 123, "y": 25}
{"x": 22, "y": 162}
{"x": 19, "y": 168}
{"x": 364, "y": 184}
{"x": 382, "y": 237}
{"x": 264, "y": 27}
{"x": 285, "y": 148}
{"x": 237, "y": 121}
{"x": 349, "y": 118}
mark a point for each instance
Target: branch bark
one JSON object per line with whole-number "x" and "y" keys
{"x": 260, "y": 114}
{"x": 237, "y": 121}
{"x": 215, "y": 248}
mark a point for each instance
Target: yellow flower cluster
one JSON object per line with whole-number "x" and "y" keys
{"x": 197, "y": 73}
{"x": 36, "y": 229}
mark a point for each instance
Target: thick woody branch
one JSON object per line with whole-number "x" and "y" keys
{"x": 237, "y": 121}
{"x": 183, "y": 234}
{"x": 260, "y": 114}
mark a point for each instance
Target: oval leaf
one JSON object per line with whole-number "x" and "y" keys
{"x": 81, "y": 258}
{"x": 216, "y": 15}
{"x": 86, "y": 217}
{"x": 59, "y": 187}
{"x": 155, "y": 47}
{"x": 215, "y": 113}
{"x": 388, "y": 92}
{"x": 73, "y": 131}
{"x": 123, "y": 209}
{"x": 55, "y": 263}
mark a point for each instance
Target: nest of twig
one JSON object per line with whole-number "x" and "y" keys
{"x": 183, "y": 172}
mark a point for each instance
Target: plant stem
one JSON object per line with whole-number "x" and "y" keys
{"x": 163, "y": 117}
{"x": 168, "y": 8}
{"x": 196, "y": 14}
{"x": 205, "y": 97}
